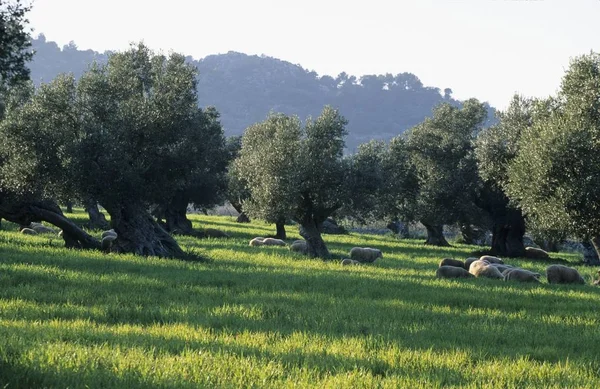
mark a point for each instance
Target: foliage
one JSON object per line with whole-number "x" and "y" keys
{"x": 265, "y": 317}
{"x": 554, "y": 177}
{"x": 381, "y": 183}
{"x": 441, "y": 151}
{"x": 206, "y": 186}
{"x": 322, "y": 169}
{"x": 268, "y": 165}
{"x": 128, "y": 131}
{"x": 294, "y": 171}
{"x": 15, "y": 42}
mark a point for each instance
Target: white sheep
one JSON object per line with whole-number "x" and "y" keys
{"x": 273, "y": 242}
{"x": 559, "y": 274}
{"x": 258, "y": 241}
{"x": 484, "y": 269}
{"x": 365, "y": 254}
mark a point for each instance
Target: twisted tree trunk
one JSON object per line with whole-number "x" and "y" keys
{"x": 507, "y": 234}
{"x": 175, "y": 214}
{"x": 24, "y": 212}
{"x": 316, "y": 247}
{"x": 594, "y": 260}
{"x": 280, "y": 226}
{"x": 97, "y": 218}
{"x": 468, "y": 235}
{"x": 242, "y": 217}
{"x": 435, "y": 235}
{"x": 139, "y": 233}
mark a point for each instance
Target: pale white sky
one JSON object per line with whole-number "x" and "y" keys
{"x": 488, "y": 49}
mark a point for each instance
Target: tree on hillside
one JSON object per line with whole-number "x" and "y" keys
{"x": 294, "y": 171}
{"x": 125, "y": 135}
{"x": 441, "y": 151}
{"x": 554, "y": 177}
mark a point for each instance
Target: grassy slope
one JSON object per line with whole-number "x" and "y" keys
{"x": 264, "y": 317}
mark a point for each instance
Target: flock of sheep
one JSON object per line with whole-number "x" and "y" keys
{"x": 486, "y": 266}
{"x": 494, "y": 267}
{"x": 358, "y": 255}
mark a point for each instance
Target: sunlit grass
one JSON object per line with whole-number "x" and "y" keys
{"x": 266, "y": 317}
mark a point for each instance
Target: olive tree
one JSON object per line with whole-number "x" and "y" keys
{"x": 123, "y": 135}
{"x": 296, "y": 171}
{"x": 496, "y": 148}
{"x": 237, "y": 188}
{"x": 554, "y": 177}
{"x": 441, "y": 152}
{"x": 206, "y": 184}
{"x": 15, "y": 42}
{"x": 381, "y": 182}
{"x": 268, "y": 165}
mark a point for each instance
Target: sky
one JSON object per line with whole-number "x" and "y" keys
{"x": 487, "y": 49}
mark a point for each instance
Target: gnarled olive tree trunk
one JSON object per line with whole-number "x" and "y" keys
{"x": 507, "y": 233}
{"x": 435, "y": 235}
{"x": 242, "y": 217}
{"x": 24, "y": 212}
{"x": 172, "y": 216}
{"x": 311, "y": 232}
{"x": 591, "y": 259}
{"x": 97, "y": 218}
{"x": 175, "y": 214}
{"x": 280, "y": 226}
{"x": 139, "y": 233}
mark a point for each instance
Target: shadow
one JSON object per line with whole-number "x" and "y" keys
{"x": 394, "y": 303}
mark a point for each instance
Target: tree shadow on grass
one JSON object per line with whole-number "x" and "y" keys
{"x": 419, "y": 312}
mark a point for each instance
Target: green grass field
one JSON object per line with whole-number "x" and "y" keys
{"x": 264, "y": 317}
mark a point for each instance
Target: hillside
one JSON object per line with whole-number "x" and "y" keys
{"x": 245, "y": 88}
{"x": 266, "y": 317}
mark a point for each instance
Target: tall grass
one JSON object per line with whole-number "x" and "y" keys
{"x": 266, "y": 317}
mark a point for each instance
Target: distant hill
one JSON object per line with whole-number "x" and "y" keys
{"x": 244, "y": 88}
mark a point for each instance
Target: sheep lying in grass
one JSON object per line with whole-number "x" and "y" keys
{"x": 214, "y": 233}
{"x": 535, "y": 253}
{"x": 299, "y": 246}
{"x": 484, "y": 269}
{"x": 469, "y": 261}
{"x": 521, "y": 275}
{"x": 109, "y": 232}
{"x": 452, "y": 272}
{"x": 501, "y": 268}
{"x": 365, "y": 254}
{"x": 258, "y": 241}
{"x": 559, "y": 274}
{"x": 28, "y": 231}
{"x": 107, "y": 242}
{"x": 273, "y": 242}
{"x": 348, "y": 261}
{"x": 452, "y": 262}
{"x": 491, "y": 259}
{"x": 42, "y": 229}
